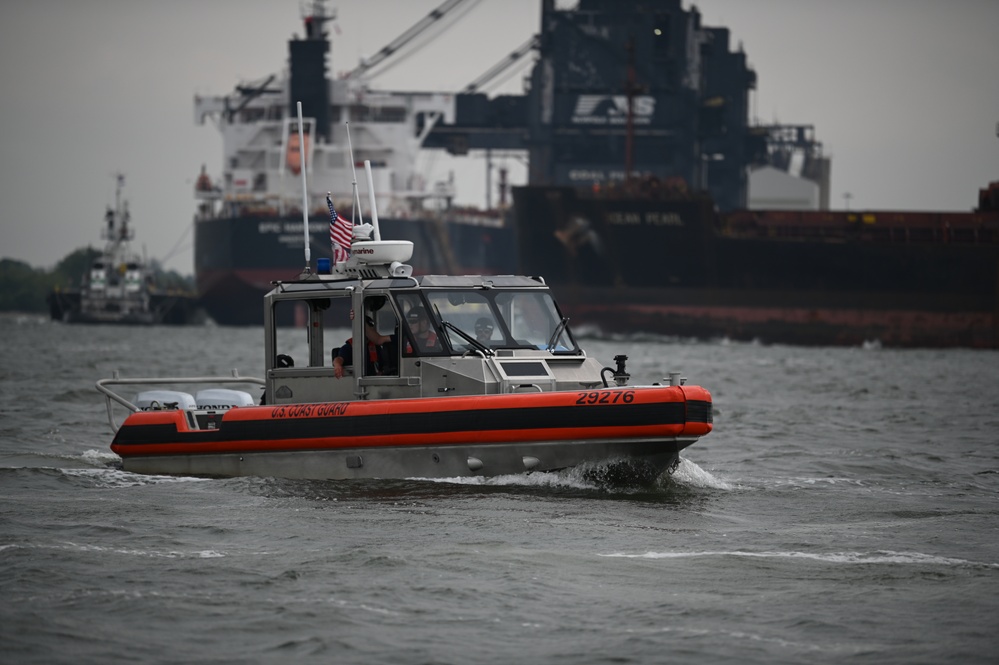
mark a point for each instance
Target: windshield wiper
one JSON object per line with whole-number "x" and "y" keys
{"x": 558, "y": 331}
{"x": 479, "y": 346}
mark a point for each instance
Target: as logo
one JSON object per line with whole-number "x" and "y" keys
{"x": 613, "y": 110}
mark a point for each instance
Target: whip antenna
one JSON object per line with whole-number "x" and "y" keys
{"x": 355, "y": 201}
{"x": 305, "y": 189}
{"x": 371, "y": 198}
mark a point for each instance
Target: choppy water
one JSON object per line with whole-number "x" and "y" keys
{"x": 846, "y": 509}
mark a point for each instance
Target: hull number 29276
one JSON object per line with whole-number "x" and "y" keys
{"x": 605, "y": 397}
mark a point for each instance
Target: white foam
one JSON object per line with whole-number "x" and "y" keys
{"x": 114, "y": 478}
{"x": 688, "y": 473}
{"x": 170, "y": 554}
{"x": 533, "y": 479}
{"x": 100, "y": 457}
{"x": 876, "y": 557}
{"x": 806, "y": 481}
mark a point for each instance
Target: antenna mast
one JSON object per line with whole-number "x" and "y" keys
{"x": 355, "y": 203}
{"x": 305, "y": 190}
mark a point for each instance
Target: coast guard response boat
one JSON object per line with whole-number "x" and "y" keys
{"x": 444, "y": 376}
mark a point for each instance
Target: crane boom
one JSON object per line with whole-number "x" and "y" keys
{"x": 503, "y": 64}
{"x": 414, "y": 31}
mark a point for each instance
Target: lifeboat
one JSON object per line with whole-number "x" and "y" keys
{"x": 442, "y": 376}
{"x": 297, "y": 147}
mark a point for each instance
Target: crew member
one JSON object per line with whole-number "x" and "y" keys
{"x": 379, "y": 357}
{"x": 422, "y": 331}
{"x": 484, "y": 330}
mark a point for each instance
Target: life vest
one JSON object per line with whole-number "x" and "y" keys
{"x": 430, "y": 342}
{"x": 377, "y": 355}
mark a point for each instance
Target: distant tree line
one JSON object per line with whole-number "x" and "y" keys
{"x": 25, "y": 289}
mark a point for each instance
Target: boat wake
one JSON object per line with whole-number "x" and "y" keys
{"x": 617, "y": 475}
{"x": 111, "y": 478}
{"x": 101, "y": 458}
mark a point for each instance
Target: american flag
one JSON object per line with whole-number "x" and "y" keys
{"x": 340, "y": 234}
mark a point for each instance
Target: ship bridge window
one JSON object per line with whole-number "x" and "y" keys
{"x": 249, "y": 115}
{"x": 359, "y": 113}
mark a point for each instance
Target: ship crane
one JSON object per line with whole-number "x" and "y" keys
{"x": 249, "y": 93}
{"x": 504, "y": 64}
{"x": 433, "y": 19}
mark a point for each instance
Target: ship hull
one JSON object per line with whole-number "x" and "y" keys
{"x": 69, "y": 306}
{"x": 632, "y": 265}
{"x": 238, "y": 258}
{"x": 788, "y": 317}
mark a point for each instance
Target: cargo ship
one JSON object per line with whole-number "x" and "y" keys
{"x": 640, "y": 263}
{"x": 652, "y": 203}
{"x": 654, "y": 206}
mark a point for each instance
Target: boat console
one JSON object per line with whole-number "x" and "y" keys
{"x": 490, "y": 335}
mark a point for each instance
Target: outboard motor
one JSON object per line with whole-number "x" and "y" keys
{"x": 222, "y": 399}
{"x": 164, "y": 400}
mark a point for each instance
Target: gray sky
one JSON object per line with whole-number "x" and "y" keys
{"x": 904, "y": 95}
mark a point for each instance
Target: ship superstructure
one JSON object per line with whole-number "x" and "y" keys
{"x": 260, "y": 143}
{"x": 249, "y": 227}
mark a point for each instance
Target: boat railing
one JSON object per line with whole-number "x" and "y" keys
{"x": 110, "y": 395}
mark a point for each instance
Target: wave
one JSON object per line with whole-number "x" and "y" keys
{"x": 100, "y": 457}
{"x": 849, "y": 558}
{"x": 128, "y": 551}
{"x": 116, "y": 478}
{"x": 806, "y": 481}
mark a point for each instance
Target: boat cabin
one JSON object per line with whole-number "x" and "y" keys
{"x": 434, "y": 336}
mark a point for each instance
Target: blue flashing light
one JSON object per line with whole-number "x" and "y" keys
{"x": 323, "y": 266}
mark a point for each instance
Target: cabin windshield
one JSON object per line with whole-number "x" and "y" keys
{"x": 501, "y": 319}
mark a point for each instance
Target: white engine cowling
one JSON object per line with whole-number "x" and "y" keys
{"x": 158, "y": 400}
{"x": 222, "y": 399}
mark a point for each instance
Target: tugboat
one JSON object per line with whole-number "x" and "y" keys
{"x": 454, "y": 376}
{"x": 119, "y": 286}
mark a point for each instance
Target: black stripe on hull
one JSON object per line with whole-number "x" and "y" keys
{"x": 618, "y": 415}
